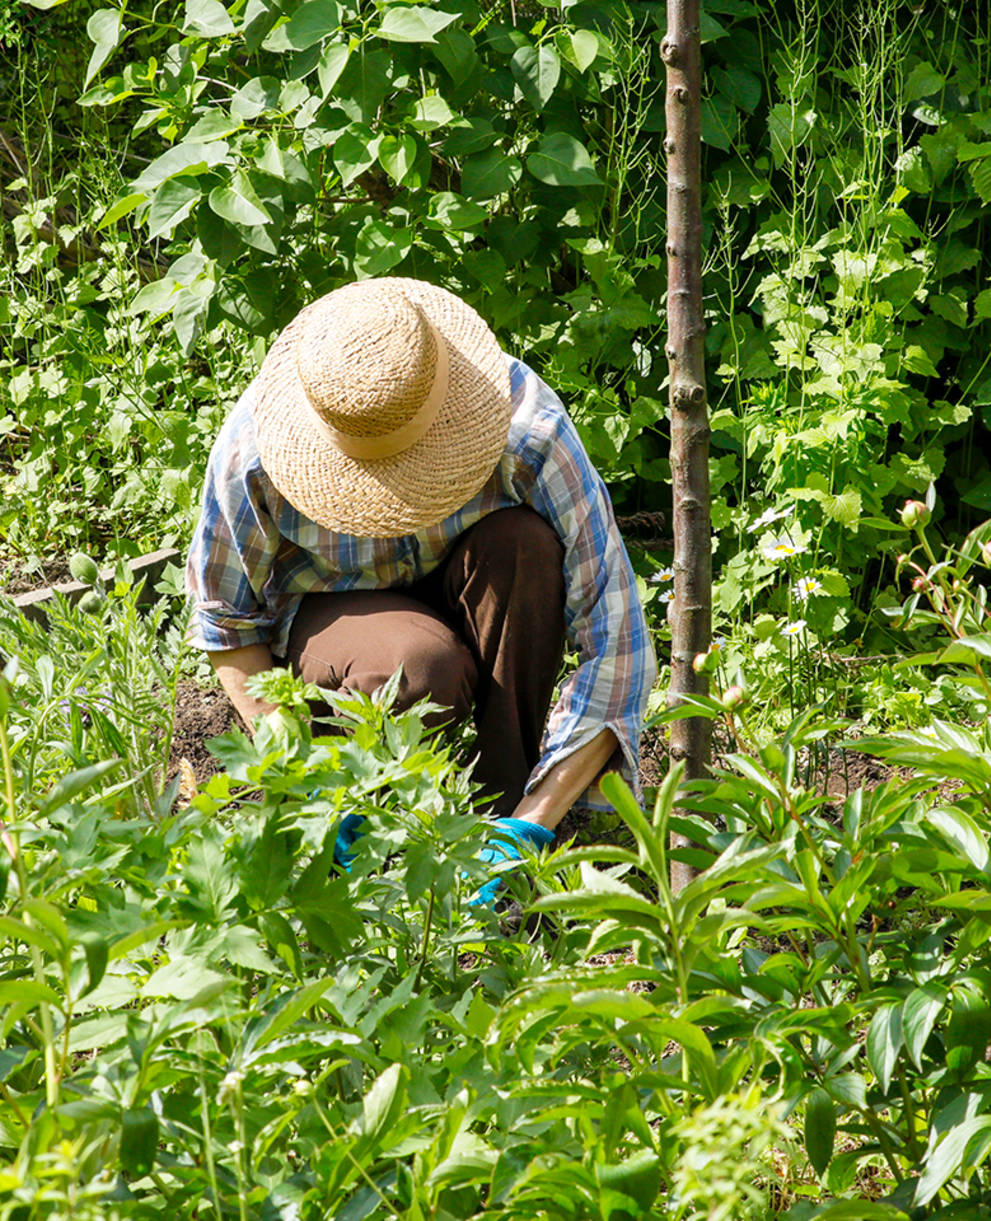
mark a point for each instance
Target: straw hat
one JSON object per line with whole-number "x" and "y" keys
{"x": 382, "y": 407}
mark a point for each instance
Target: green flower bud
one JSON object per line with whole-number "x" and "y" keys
{"x": 91, "y": 602}
{"x": 735, "y": 697}
{"x": 915, "y": 515}
{"x": 84, "y": 569}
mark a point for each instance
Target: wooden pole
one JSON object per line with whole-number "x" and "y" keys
{"x": 691, "y": 616}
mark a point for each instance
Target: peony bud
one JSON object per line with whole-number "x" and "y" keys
{"x": 699, "y": 662}
{"x": 84, "y": 569}
{"x": 915, "y": 515}
{"x": 735, "y": 697}
{"x": 91, "y": 602}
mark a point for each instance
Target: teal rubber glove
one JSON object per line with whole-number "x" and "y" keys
{"x": 351, "y": 829}
{"x": 516, "y": 832}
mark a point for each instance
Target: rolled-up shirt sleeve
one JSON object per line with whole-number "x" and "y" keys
{"x": 234, "y": 548}
{"x": 603, "y": 613}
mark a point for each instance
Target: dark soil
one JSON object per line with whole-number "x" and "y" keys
{"x": 205, "y": 712}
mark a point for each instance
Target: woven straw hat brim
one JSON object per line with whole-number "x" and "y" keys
{"x": 423, "y": 484}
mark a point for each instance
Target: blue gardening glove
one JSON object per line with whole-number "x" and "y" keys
{"x": 515, "y": 831}
{"x": 351, "y": 829}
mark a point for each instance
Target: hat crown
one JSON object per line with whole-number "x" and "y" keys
{"x": 367, "y": 358}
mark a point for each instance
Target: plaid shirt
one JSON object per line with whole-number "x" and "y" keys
{"x": 253, "y": 557}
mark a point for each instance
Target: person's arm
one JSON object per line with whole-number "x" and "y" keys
{"x": 234, "y": 667}
{"x": 550, "y": 799}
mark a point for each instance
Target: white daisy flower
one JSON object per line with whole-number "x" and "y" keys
{"x": 667, "y": 595}
{"x": 662, "y": 577}
{"x": 782, "y": 549}
{"x": 766, "y": 518}
{"x": 793, "y": 629}
{"x": 807, "y": 586}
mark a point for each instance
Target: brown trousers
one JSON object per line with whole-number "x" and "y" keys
{"x": 483, "y": 635}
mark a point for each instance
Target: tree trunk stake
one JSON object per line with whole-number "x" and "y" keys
{"x": 691, "y": 611}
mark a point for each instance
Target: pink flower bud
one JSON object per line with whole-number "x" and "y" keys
{"x": 915, "y": 515}
{"x": 986, "y": 554}
{"x": 920, "y": 584}
{"x": 735, "y": 697}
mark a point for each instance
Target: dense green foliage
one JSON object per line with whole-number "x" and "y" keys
{"x": 200, "y": 1016}
{"x": 203, "y": 1016}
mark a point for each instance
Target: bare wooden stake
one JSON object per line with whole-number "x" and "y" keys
{"x": 691, "y": 617}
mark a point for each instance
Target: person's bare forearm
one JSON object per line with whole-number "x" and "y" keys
{"x": 234, "y": 667}
{"x": 554, "y": 796}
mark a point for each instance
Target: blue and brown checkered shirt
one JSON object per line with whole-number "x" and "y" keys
{"x": 254, "y": 556}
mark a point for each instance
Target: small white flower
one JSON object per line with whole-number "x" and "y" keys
{"x": 782, "y": 549}
{"x": 235, "y": 1147}
{"x": 660, "y": 578}
{"x": 717, "y": 644}
{"x": 667, "y": 595}
{"x": 807, "y": 586}
{"x": 765, "y": 519}
{"x": 793, "y": 629}
{"x": 229, "y": 1084}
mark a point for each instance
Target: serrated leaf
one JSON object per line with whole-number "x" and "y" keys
{"x": 414, "y": 23}
{"x": 537, "y": 71}
{"x": 207, "y": 17}
{"x": 980, "y": 176}
{"x": 560, "y": 160}
{"x": 820, "y": 1129}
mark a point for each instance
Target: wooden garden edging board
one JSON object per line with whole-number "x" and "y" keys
{"x": 33, "y": 605}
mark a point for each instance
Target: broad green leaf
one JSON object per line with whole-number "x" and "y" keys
{"x": 239, "y": 202}
{"x": 453, "y": 211}
{"x": 919, "y": 1013}
{"x": 207, "y": 17}
{"x": 310, "y": 23}
{"x": 121, "y": 208}
{"x": 960, "y": 830}
{"x": 105, "y": 28}
{"x": 354, "y": 151}
{"x": 884, "y": 1042}
{"x": 332, "y": 62}
{"x": 562, "y": 161}
{"x": 396, "y": 155}
{"x": 381, "y": 1105}
{"x": 156, "y": 298}
{"x": 945, "y": 1160}
{"x": 171, "y": 204}
{"x": 720, "y": 122}
{"x": 820, "y": 1129}
{"x": 214, "y": 125}
{"x": 788, "y": 128}
{"x": 739, "y": 86}
{"x": 190, "y": 157}
{"x": 413, "y": 23}
{"x": 255, "y": 97}
{"x": 138, "y": 1141}
{"x": 74, "y": 785}
{"x": 184, "y": 979}
{"x": 29, "y": 991}
{"x": 431, "y": 112}
{"x": 536, "y": 70}
{"x": 380, "y": 247}
{"x": 489, "y": 173}
{"x": 581, "y": 47}
{"x": 922, "y": 82}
